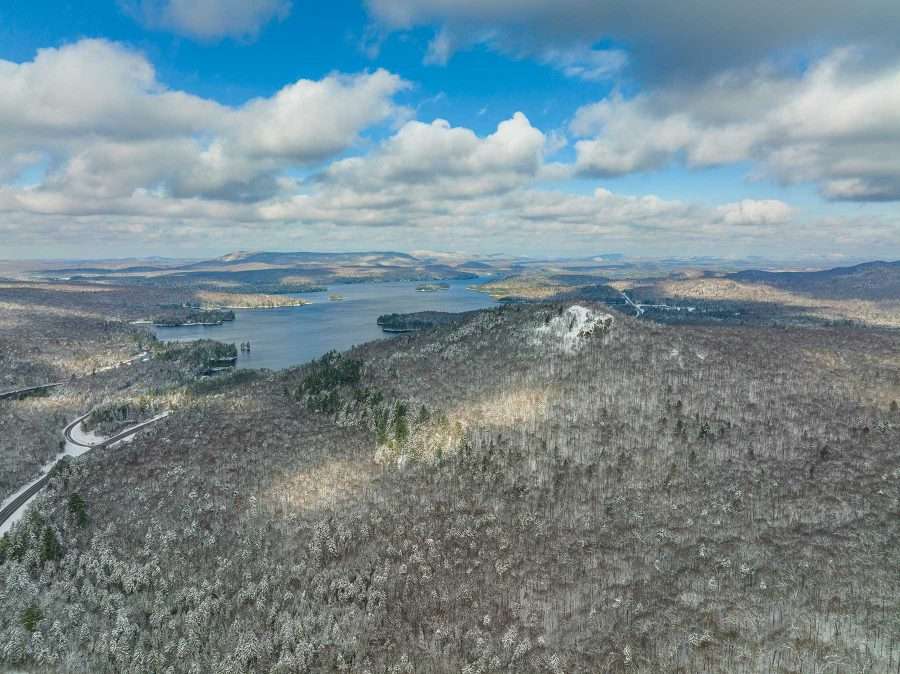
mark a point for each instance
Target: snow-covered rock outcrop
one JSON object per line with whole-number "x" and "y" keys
{"x": 570, "y": 329}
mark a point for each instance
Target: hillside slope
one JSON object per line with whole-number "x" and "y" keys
{"x": 867, "y": 281}
{"x": 537, "y": 488}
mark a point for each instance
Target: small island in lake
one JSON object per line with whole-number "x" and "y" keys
{"x": 177, "y": 317}
{"x": 432, "y": 287}
{"x": 224, "y": 300}
{"x": 334, "y": 297}
{"x": 419, "y": 320}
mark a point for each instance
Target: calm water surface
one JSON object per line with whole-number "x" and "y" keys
{"x": 294, "y": 335}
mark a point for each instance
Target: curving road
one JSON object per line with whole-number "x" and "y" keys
{"x": 113, "y": 439}
{"x": 77, "y": 443}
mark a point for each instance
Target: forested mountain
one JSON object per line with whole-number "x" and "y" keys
{"x": 867, "y": 281}
{"x": 539, "y": 488}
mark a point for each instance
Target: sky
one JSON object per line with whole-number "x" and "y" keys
{"x": 191, "y": 128}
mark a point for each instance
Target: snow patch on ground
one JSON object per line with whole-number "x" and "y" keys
{"x": 571, "y": 328}
{"x": 82, "y": 437}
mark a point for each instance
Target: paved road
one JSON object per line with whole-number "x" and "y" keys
{"x": 106, "y": 442}
{"x": 22, "y": 498}
{"x": 639, "y": 310}
{"x": 33, "y": 389}
{"x": 28, "y": 389}
{"x": 14, "y": 507}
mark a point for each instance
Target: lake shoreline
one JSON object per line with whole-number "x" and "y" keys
{"x": 283, "y": 339}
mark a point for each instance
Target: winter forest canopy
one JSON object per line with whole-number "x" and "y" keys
{"x": 426, "y": 337}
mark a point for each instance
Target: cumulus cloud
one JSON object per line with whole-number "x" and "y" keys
{"x": 452, "y": 159}
{"x": 112, "y": 154}
{"x": 313, "y": 119}
{"x": 757, "y": 213}
{"x": 437, "y": 178}
{"x": 96, "y": 110}
{"x": 92, "y": 88}
{"x": 667, "y": 38}
{"x": 836, "y": 125}
{"x": 424, "y": 173}
{"x": 209, "y": 19}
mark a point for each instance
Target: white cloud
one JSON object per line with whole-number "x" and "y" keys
{"x": 434, "y": 178}
{"x": 423, "y": 167}
{"x": 837, "y": 125}
{"x": 209, "y": 19}
{"x": 92, "y": 88}
{"x": 123, "y": 158}
{"x": 758, "y": 213}
{"x": 433, "y": 181}
{"x": 313, "y": 119}
{"x": 439, "y": 153}
{"x": 109, "y": 127}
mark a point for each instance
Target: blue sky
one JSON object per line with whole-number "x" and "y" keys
{"x": 732, "y": 131}
{"x": 479, "y": 89}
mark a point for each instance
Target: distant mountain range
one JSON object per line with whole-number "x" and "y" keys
{"x": 277, "y": 272}
{"x": 274, "y": 272}
{"x": 278, "y": 258}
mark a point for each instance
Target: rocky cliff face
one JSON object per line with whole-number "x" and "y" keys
{"x": 572, "y": 327}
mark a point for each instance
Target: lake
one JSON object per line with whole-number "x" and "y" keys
{"x": 293, "y": 335}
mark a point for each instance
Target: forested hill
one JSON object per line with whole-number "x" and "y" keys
{"x": 538, "y": 488}
{"x": 867, "y": 281}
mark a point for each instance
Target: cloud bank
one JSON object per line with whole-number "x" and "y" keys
{"x": 95, "y": 148}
